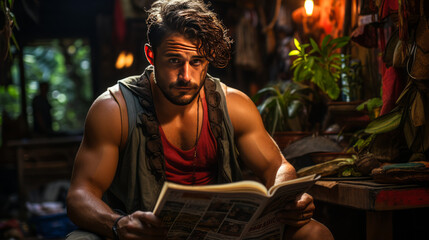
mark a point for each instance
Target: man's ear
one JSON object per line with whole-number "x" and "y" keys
{"x": 149, "y": 54}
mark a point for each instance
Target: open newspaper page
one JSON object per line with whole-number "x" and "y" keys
{"x": 227, "y": 212}
{"x": 266, "y": 227}
{"x": 196, "y": 215}
{"x": 284, "y": 194}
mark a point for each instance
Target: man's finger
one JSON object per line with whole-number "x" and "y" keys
{"x": 148, "y": 219}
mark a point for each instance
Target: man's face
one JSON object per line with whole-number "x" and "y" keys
{"x": 179, "y": 69}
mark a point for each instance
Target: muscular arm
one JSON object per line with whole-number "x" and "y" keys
{"x": 256, "y": 147}
{"x": 263, "y": 157}
{"x": 95, "y": 167}
{"x": 94, "y": 170}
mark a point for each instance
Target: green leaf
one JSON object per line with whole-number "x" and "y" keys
{"x": 297, "y": 73}
{"x": 384, "y": 123}
{"x": 294, "y": 53}
{"x": 314, "y": 45}
{"x": 340, "y": 45}
{"x": 335, "y": 76}
{"x": 370, "y": 104}
{"x": 312, "y": 51}
{"x": 341, "y": 40}
{"x": 304, "y": 46}
{"x": 294, "y": 108}
{"x": 265, "y": 105}
{"x": 335, "y": 66}
{"x": 265, "y": 91}
{"x": 335, "y": 56}
{"x": 325, "y": 41}
{"x": 15, "y": 23}
{"x": 297, "y": 44}
{"x": 14, "y": 41}
{"x": 310, "y": 62}
{"x": 279, "y": 109}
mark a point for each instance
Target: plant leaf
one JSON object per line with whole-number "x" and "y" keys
{"x": 297, "y": 44}
{"x": 314, "y": 45}
{"x": 325, "y": 41}
{"x": 294, "y": 53}
{"x": 265, "y": 105}
{"x": 385, "y": 123}
{"x": 12, "y": 36}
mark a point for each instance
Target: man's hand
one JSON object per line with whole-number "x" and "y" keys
{"x": 141, "y": 225}
{"x": 297, "y": 213}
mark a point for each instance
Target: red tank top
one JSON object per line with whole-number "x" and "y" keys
{"x": 179, "y": 164}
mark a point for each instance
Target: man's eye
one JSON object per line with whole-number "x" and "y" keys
{"x": 173, "y": 60}
{"x": 196, "y": 62}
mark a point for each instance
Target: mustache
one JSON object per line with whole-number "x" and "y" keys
{"x": 181, "y": 83}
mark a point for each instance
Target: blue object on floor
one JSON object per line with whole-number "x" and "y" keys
{"x": 53, "y": 226}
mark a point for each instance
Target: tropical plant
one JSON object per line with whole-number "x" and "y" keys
{"x": 280, "y": 105}
{"x": 372, "y": 106}
{"x": 382, "y": 124}
{"x": 321, "y": 65}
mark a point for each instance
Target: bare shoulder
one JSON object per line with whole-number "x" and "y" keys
{"x": 237, "y": 100}
{"x": 104, "y": 105}
{"x": 241, "y": 109}
{"x": 103, "y": 121}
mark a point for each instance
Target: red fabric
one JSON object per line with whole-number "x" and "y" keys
{"x": 393, "y": 84}
{"x": 388, "y": 7}
{"x": 119, "y": 22}
{"x": 179, "y": 163}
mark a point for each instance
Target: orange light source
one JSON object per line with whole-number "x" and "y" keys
{"x": 309, "y": 6}
{"x": 124, "y": 60}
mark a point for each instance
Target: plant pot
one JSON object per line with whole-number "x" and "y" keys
{"x": 346, "y": 115}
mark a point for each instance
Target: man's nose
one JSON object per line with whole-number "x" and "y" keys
{"x": 185, "y": 72}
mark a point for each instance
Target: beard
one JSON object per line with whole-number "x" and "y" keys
{"x": 180, "y": 100}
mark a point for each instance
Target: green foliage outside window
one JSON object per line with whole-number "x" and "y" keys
{"x": 65, "y": 65}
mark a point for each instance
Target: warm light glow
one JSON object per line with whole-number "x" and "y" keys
{"x": 120, "y": 60}
{"x": 129, "y": 60}
{"x": 124, "y": 60}
{"x": 309, "y": 5}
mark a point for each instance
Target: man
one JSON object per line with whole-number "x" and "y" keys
{"x": 173, "y": 123}
{"x": 42, "y": 111}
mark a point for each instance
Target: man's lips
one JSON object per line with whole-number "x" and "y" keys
{"x": 183, "y": 88}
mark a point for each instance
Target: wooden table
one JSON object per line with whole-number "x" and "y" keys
{"x": 379, "y": 201}
{"x": 40, "y": 160}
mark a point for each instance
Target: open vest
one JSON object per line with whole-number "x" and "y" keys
{"x": 140, "y": 172}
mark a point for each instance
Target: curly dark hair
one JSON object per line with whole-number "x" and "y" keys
{"x": 194, "y": 20}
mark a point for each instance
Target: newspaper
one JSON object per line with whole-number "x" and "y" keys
{"x": 242, "y": 210}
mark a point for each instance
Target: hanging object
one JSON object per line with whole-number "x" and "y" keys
{"x": 248, "y": 48}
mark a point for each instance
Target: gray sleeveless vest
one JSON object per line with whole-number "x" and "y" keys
{"x": 140, "y": 173}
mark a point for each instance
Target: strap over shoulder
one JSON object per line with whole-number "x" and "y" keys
{"x": 119, "y": 98}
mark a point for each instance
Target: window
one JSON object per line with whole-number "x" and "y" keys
{"x": 64, "y": 64}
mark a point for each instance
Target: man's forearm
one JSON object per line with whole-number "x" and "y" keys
{"x": 90, "y": 212}
{"x": 285, "y": 172}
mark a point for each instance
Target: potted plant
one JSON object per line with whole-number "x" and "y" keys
{"x": 297, "y": 106}
{"x": 320, "y": 65}
{"x": 326, "y": 69}
{"x": 282, "y": 106}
